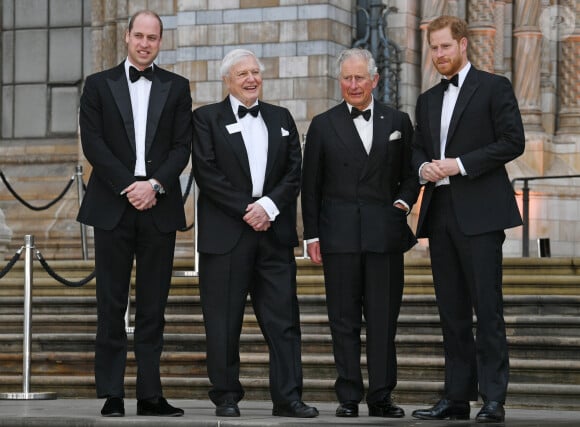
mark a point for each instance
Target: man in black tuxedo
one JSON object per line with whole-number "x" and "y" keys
{"x": 357, "y": 187}
{"x": 247, "y": 162}
{"x": 135, "y": 123}
{"x": 468, "y": 128}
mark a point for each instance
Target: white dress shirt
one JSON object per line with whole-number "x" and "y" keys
{"x": 255, "y": 136}
{"x": 449, "y": 100}
{"x": 139, "y": 92}
{"x": 364, "y": 127}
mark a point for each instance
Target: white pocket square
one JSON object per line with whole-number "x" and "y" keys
{"x": 395, "y": 135}
{"x": 285, "y": 132}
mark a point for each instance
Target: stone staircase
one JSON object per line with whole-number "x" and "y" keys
{"x": 542, "y": 312}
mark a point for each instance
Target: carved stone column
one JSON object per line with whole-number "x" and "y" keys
{"x": 481, "y": 34}
{"x": 5, "y": 235}
{"x": 569, "y": 78}
{"x": 527, "y": 54}
{"x": 430, "y": 9}
{"x": 499, "y": 22}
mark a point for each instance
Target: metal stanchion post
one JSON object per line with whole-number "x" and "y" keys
{"x": 81, "y": 194}
{"x": 195, "y": 251}
{"x": 26, "y": 395}
{"x": 195, "y": 272}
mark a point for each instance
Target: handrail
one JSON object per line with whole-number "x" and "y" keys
{"x": 526, "y": 206}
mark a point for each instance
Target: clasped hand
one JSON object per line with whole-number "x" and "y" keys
{"x": 439, "y": 169}
{"x": 141, "y": 195}
{"x": 256, "y": 217}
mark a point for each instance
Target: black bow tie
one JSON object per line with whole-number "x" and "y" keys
{"x": 135, "y": 74}
{"x": 242, "y": 111}
{"x": 355, "y": 112}
{"x": 453, "y": 80}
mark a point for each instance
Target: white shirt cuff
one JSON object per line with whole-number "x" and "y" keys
{"x": 421, "y": 180}
{"x": 401, "y": 201}
{"x": 461, "y": 168}
{"x": 314, "y": 239}
{"x": 269, "y": 206}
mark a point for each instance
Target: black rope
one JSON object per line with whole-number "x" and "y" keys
{"x": 185, "y": 196}
{"x": 60, "y": 279}
{"x": 188, "y": 187}
{"x": 28, "y": 205}
{"x": 11, "y": 263}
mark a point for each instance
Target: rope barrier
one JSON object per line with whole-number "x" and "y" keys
{"x": 28, "y": 205}
{"x": 61, "y": 279}
{"x": 69, "y": 184}
{"x": 11, "y": 263}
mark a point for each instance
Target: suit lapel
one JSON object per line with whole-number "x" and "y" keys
{"x": 347, "y": 133}
{"x": 157, "y": 99}
{"x": 435, "y": 101}
{"x": 120, "y": 90}
{"x": 234, "y": 140}
{"x": 274, "y": 126}
{"x": 468, "y": 88}
{"x": 382, "y": 125}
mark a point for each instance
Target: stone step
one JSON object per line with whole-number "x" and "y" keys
{"x": 523, "y": 347}
{"x": 524, "y": 395}
{"x": 568, "y": 305}
{"x": 519, "y": 325}
{"x": 315, "y": 366}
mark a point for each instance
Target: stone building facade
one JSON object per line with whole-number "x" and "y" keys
{"x": 50, "y": 46}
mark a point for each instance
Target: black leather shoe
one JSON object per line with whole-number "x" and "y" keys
{"x": 491, "y": 412}
{"x": 157, "y": 408}
{"x": 113, "y": 407}
{"x": 295, "y": 409}
{"x": 227, "y": 409}
{"x": 385, "y": 408}
{"x": 347, "y": 409}
{"x": 452, "y": 409}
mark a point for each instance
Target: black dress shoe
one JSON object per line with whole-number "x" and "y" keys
{"x": 385, "y": 408}
{"x": 452, "y": 409}
{"x": 113, "y": 407}
{"x": 157, "y": 407}
{"x": 295, "y": 409}
{"x": 347, "y": 409}
{"x": 491, "y": 412}
{"x": 227, "y": 409}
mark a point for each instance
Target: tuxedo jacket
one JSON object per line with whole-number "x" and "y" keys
{"x": 347, "y": 194}
{"x": 485, "y": 132}
{"x": 108, "y": 141}
{"x": 222, "y": 172}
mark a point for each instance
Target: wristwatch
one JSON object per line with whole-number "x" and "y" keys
{"x": 156, "y": 187}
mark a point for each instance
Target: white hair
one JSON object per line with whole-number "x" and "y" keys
{"x": 358, "y": 53}
{"x": 235, "y": 56}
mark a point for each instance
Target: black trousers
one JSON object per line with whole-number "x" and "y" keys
{"x": 369, "y": 284}
{"x": 259, "y": 266}
{"x": 135, "y": 238}
{"x": 467, "y": 271}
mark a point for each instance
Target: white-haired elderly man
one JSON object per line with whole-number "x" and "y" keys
{"x": 247, "y": 164}
{"x": 357, "y": 187}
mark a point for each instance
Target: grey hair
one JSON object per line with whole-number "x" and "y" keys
{"x": 235, "y": 56}
{"x": 356, "y": 53}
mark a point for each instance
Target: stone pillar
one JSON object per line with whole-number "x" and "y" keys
{"x": 569, "y": 78}
{"x": 527, "y": 53}
{"x": 430, "y": 9}
{"x": 5, "y": 235}
{"x": 499, "y": 22}
{"x": 481, "y": 34}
